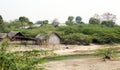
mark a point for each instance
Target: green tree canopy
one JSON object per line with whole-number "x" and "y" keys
{"x": 94, "y": 21}
{"x": 108, "y": 23}
{"x": 45, "y": 22}
{"x": 23, "y": 19}
{"x": 78, "y": 19}
{"x": 39, "y": 22}
{"x": 1, "y": 20}
{"x": 108, "y": 19}
{"x": 70, "y": 20}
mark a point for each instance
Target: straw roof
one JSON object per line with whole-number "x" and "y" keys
{"x": 3, "y": 35}
{"x": 13, "y": 33}
{"x": 42, "y": 36}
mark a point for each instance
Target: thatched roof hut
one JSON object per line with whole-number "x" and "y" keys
{"x": 14, "y": 35}
{"x": 53, "y": 38}
{"x": 50, "y": 38}
{"x": 3, "y": 36}
{"x": 41, "y": 36}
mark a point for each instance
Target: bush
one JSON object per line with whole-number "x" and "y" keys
{"x": 16, "y": 61}
{"x": 107, "y": 53}
{"x": 77, "y": 38}
{"x": 106, "y": 38}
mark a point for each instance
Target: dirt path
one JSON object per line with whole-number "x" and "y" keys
{"x": 76, "y": 49}
{"x": 83, "y": 64}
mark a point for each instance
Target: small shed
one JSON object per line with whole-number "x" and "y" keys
{"x": 41, "y": 39}
{"x": 3, "y": 36}
{"x": 51, "y": 38}
{"x": 15, "y": 36}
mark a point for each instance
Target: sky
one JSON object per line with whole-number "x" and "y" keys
{"x": 50, "y": 9}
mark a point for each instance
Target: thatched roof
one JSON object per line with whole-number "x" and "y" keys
{"x": 13, "y": 33}
{"x": 50, "y": 33}
{"x": 3, "y": 35}
{"x": 41, "y": 36}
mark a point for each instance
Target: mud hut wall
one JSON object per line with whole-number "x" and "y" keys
{"x": 53, "y": 39}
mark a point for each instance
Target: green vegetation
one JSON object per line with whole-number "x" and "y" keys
{"x": 75, "y": 34}
{"x": 99, "y": 30}
{"x": 94, "y": 21}
{"x": 65, "y": 57}
{"x": 29, "y": 60}
{"x": 23, "y": 60}
{"x": 108, "y": 53}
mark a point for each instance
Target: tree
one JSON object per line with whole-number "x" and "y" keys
{"x": 14, "y": 24}
{"x": 70, "y": 20}
{"x": 30, "y": 24}
{"x": 78, "y": 19}
{"x": 108, "y": 23}
{"x": 94, "y": 21}
{"x": 109, "y": 17}
{"x": 42, "y": 22}
{"x": 1, "y": 20}
{"x": 23, "y": 20}
{"x": 39, "y": 22}
{"x": 2, "y": 27}
{"x": 55, "y": 22}
{"x": 45, "y": 22}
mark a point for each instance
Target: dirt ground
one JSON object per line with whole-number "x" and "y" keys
{"x": 61, "y": 49}
{"x": 83, "y": 64}
{"x": 76, "y": 49}
{"x": 58, "y": 48}
{"x": 74, "y": 64}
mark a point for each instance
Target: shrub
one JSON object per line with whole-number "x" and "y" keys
{"x": 15, "y": 61}
{"x": 106, "y": 38}
{"x": 77, "y": 38}
{"x": 107, "y": 53}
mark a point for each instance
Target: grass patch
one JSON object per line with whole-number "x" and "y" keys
{"x": 65, "y": 57}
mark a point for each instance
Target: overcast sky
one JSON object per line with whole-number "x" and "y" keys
{"x": 50, "y": 9}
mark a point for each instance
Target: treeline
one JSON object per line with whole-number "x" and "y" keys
{"x": 101, "y": 29}
{"x": 86, "y": 34}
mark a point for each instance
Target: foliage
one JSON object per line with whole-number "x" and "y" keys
{"x": 42, "y": 23}
{"x": 94, "y": 21}
{"x": 108, "y": 23}
{"x": 105, "y": 33}
{"x": 97, "y": 33}
{"x": 45, "y": 22}
{"x": 4, "y": 44}
{"x": 39, "y": 22}
{"x": 78, "y": 19}
{"x": 65, "y": 57}
{"x": 24, "y": 20}
{"x": 1, "y": 20}
{"x": 23, "y": 60}
{"x": 77, "y": 38}
{"x": 70, "y": 20}
{"x": 107, "y": 53}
